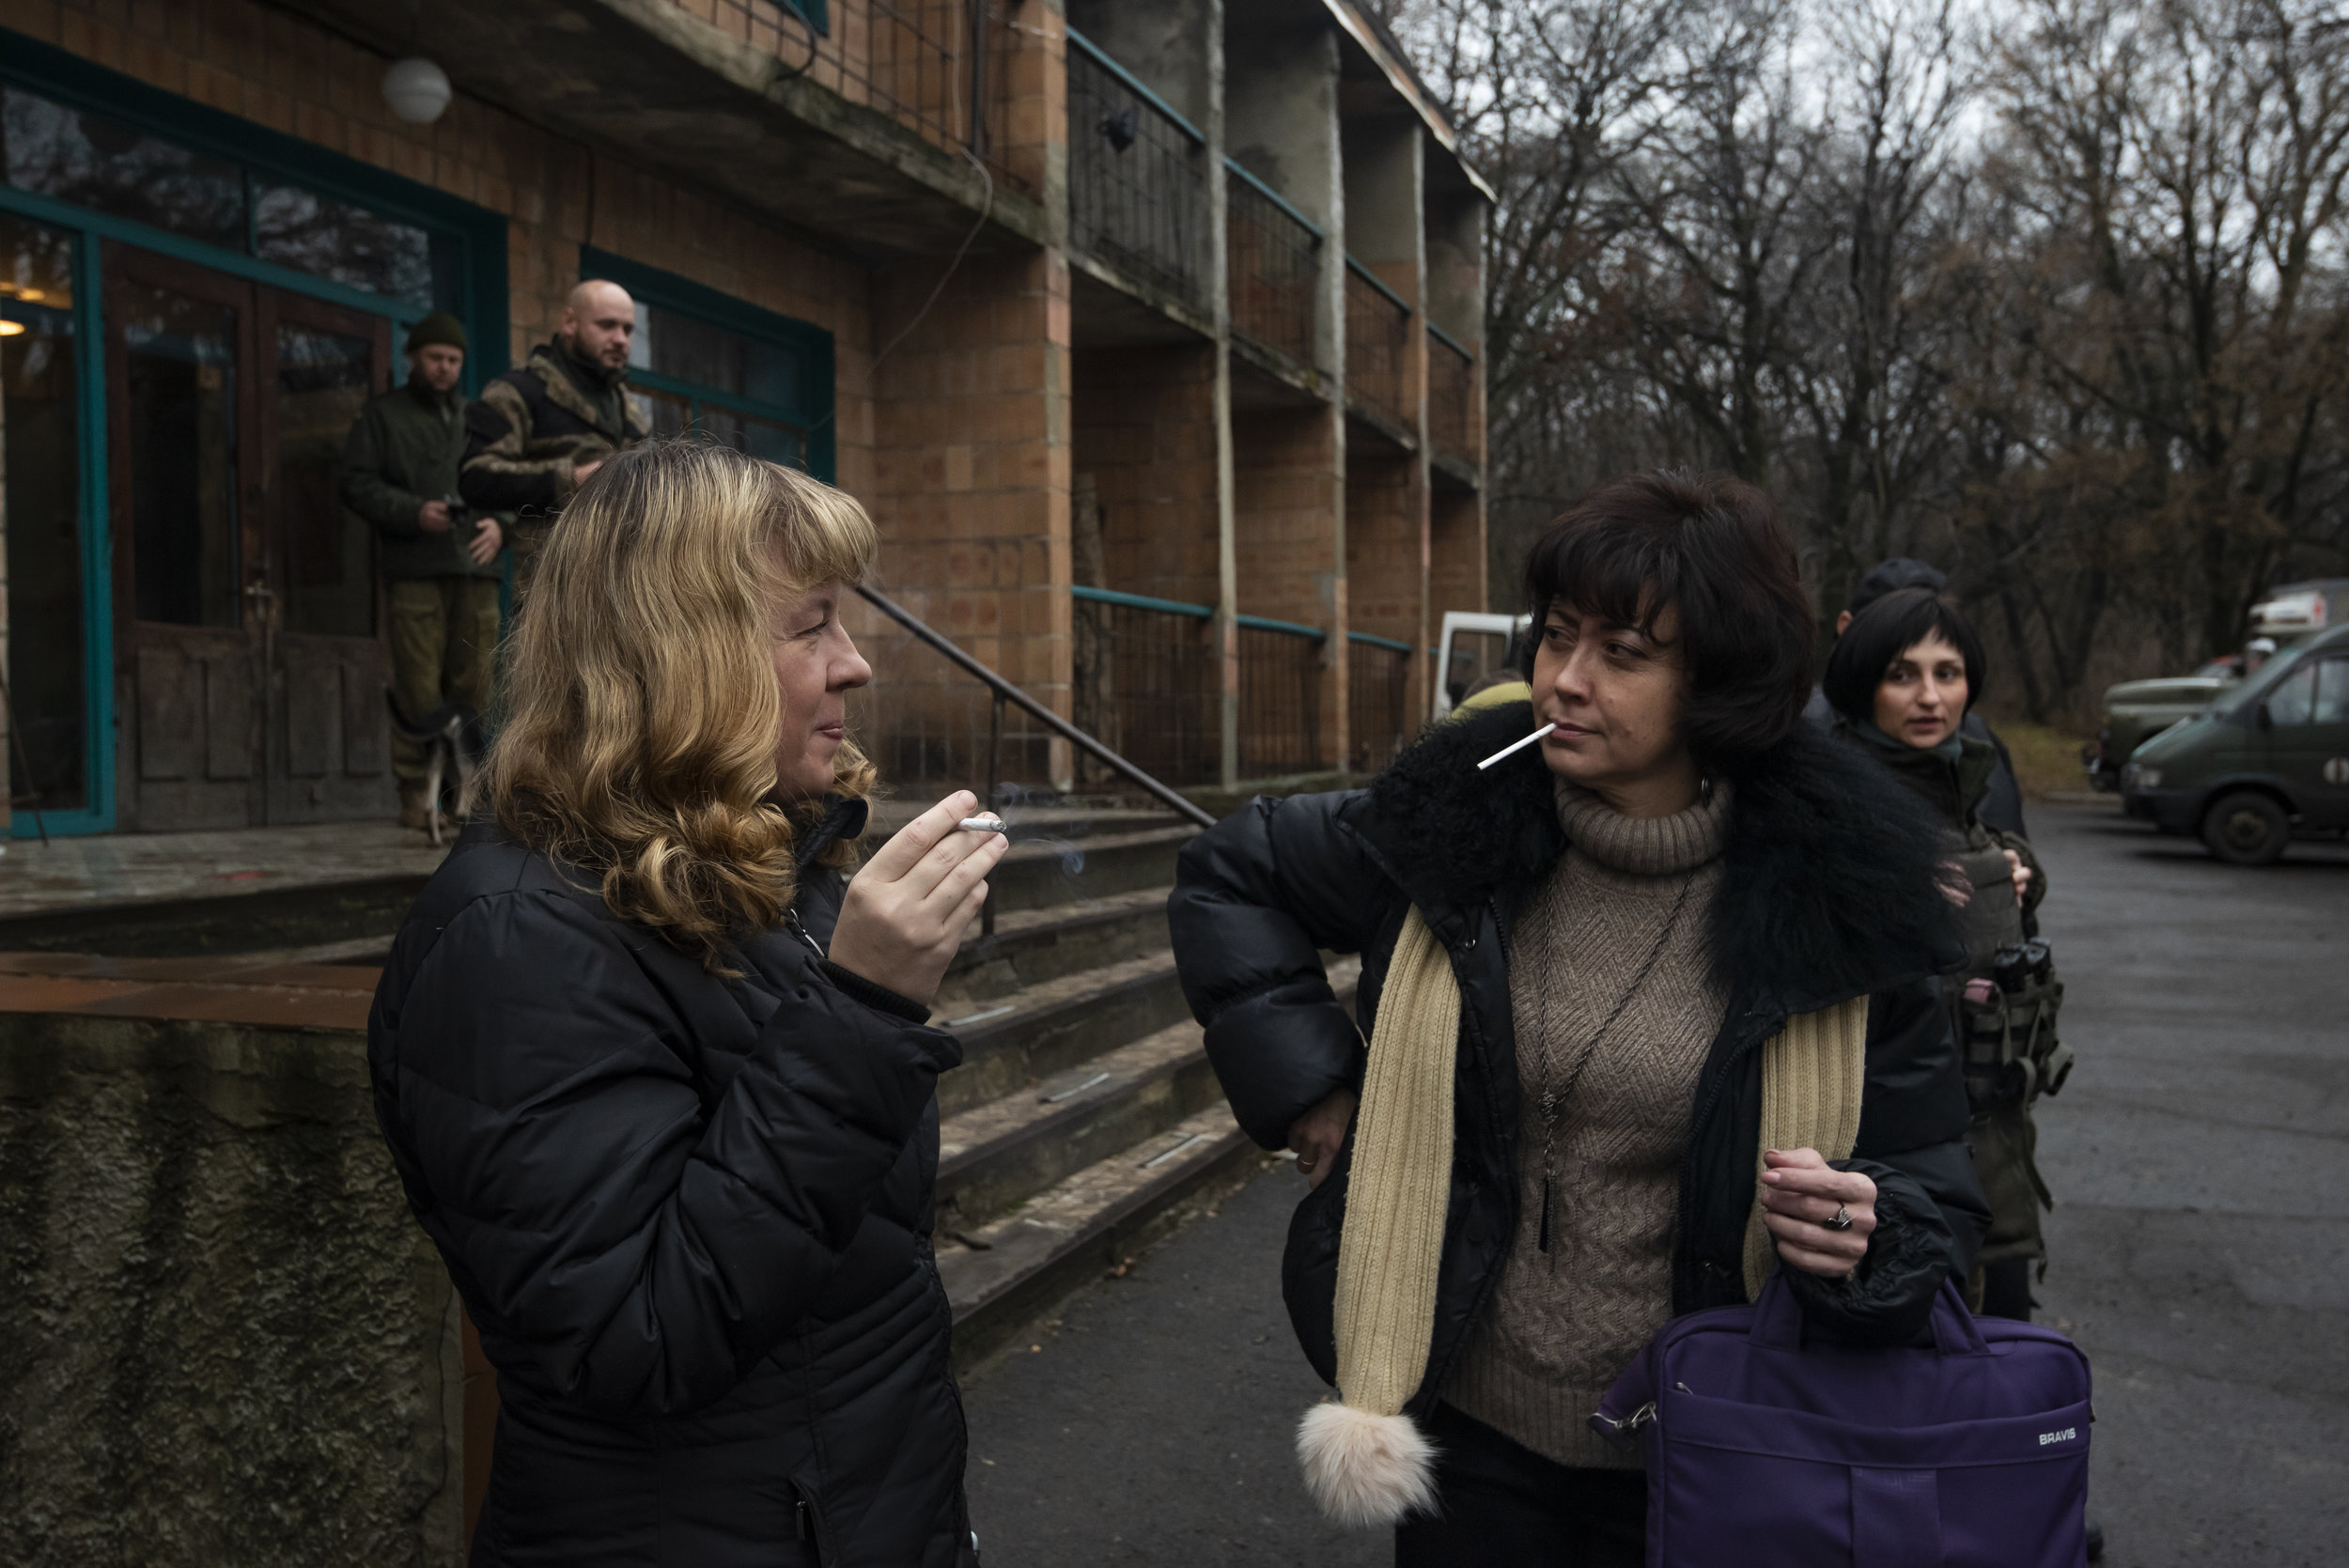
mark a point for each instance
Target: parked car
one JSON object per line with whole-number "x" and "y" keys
{"x": 1475, "y": 645}
{"x": 2268, "y": 761}
{"x": 2137, "y": 711}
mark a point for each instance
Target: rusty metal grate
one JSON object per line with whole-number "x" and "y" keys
{"x": 1451, "y": 396}
{"x": 1377, "y": 347}
{"x": 939, "y": 68}
{"x": 1274, "y": 260}
{"x": 1137, "y": 178}
{"x": 1377, "y": 696}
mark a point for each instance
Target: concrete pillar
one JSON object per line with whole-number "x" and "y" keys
{"x": 1388, "y": 542}
{"x": 1281, "y": 122}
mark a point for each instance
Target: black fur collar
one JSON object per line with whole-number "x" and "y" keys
{"x": 1830, "y": 889}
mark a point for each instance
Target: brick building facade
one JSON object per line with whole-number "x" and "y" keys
{"x": 1148, "y": 332}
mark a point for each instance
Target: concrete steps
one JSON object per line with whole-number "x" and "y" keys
{"x": 1083, "y": 1121}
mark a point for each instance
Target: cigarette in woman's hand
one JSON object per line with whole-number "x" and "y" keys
{"x": 986, "y": 822}
{"x": 1515, "y": 746}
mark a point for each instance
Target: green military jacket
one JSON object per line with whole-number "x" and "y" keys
{"x": 405, "y": 449}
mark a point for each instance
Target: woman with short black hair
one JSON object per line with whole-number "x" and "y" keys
{"x": 1902, "y": 679}
{"x": 1651, "y": 1013}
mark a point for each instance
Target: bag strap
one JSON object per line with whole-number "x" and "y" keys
{"x": 1778, "y": 1320}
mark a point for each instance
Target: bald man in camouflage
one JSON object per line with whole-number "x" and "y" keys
{"x": 537, "y": 432}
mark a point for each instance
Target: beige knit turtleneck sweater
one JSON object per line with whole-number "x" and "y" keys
{"x": 1564, "y": 1324}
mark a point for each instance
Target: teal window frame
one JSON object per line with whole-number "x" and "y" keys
{"x": 810, "y": 343}
{"x": 68, "y": 79}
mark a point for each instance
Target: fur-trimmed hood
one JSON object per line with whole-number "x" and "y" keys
{"x": 1830, "y": 886}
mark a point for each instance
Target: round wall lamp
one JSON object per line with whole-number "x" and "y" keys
{"x": 416, "y": 90}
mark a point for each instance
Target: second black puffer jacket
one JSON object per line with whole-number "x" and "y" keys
{"x": 690, "y": 1216}
{"x": 1827, "y": 894}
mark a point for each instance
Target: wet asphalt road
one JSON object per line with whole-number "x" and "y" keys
{"x": 2200, "y": 1253}
{"x": 2199, "y": 1159}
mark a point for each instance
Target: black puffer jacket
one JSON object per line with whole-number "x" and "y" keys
{"x": 691, "y": 1218}
{"x": 1827, "y": 894}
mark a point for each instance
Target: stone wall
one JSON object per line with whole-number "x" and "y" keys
{"x": 223, "y": 1337}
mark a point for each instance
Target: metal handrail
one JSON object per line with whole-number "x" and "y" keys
{"x": 1006, "y": 693}
{"x": 1379, "y": 284}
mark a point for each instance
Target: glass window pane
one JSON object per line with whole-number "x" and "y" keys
{"x": 666, "y": 412}
{"x": 41, "y": 504}
{"x": 181, "y": 398}
{"x": 105, "y": 164}
{"x": 2332, "y": 691}
{"x": 771, "y": 374}
{"x": 695, "y": 351}
{"x": 760, "y": 438}
{"x": 2292, "y": 701}
{"x": 323, "y": 378}
{"x": 345, "y": 244}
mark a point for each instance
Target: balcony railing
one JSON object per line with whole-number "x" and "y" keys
{"x": 1377, "y": 347}
{"x": 1137, "y": 178}
{"x": 1451, "y": 396}
{"x": 1279, "y": 697}
{"x": 1145, "y": 673}
{"x": 939, "y": 68}
{"x": 1377, "y": 697}
{"x": 1273, "y": 252}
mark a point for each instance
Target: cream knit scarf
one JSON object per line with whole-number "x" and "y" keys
{"x": 1364, "y": 1461}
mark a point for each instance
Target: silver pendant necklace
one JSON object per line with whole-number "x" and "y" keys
{"x": 1555, "y": 1095}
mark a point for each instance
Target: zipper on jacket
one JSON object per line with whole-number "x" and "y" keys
{"x": 792, "y": 921}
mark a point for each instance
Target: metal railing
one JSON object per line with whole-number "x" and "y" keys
{"x": 1004, "y": 691}
{"x": 1137, "y": 178}
{"x": 1451, "y": 395}
{"x": 1272, "y": 260}
{"x": 1145, "y": 679}
{"x": 1279, "y": 697}
{"x": 1377, "y": 347}
{"x": 1377, "y": 699}
{"x": 939, "y": 68}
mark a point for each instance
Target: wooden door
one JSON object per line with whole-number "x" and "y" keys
{"x": 328, "y": 728}
{"x": 190, "y": 594}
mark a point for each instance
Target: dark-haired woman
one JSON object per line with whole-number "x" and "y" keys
{"x": 1900, "y": 679}
{"x": 1600, "y": 966}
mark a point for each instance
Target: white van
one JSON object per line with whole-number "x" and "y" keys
{"x": 1474, "y": 645}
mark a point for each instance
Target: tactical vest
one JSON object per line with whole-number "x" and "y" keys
{"x": 2004, "y": 1012}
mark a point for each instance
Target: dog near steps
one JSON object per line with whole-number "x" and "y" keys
{"x": 453, "y": 748}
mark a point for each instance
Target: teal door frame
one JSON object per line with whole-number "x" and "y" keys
{"x": 71, "y": 79}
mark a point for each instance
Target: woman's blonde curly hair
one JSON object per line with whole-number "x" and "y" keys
{"x": 640, "y": 714}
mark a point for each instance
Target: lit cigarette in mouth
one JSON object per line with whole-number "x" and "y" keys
{"x": 1515, "y": 746}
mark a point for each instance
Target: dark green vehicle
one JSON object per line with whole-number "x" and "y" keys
{"x": 2266, "y": 761}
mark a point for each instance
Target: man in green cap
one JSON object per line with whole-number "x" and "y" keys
{"x": 399, "y": 471}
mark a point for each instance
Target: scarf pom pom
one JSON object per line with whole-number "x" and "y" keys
{"x": 1364, "y": 1468}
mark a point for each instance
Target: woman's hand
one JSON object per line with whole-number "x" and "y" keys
{"x": 2021, "y": 873}
{"x": 1320, "y": 1133}
{"x": 1799, "y": 1192}
{"x": 906, "y": 910}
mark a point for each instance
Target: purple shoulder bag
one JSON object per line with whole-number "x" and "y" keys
{"x": 1765, "y": 1451}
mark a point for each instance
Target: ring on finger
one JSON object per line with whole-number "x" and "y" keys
{"x": 1841, "y": 1220}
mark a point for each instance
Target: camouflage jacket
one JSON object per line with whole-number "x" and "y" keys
{"x": 532, "y": 427}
